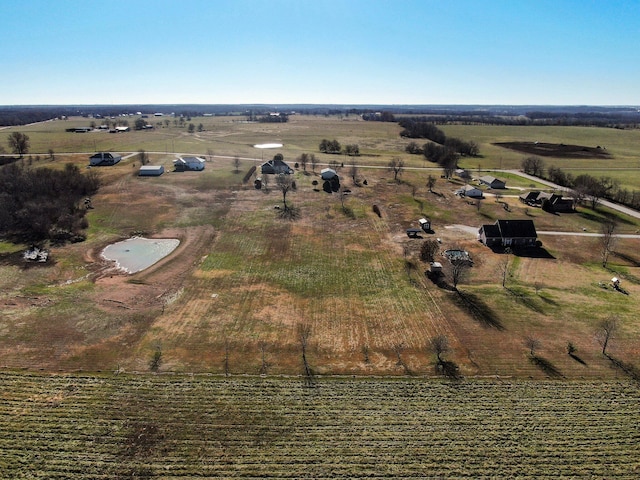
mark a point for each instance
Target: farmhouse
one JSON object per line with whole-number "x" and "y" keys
{"x": 276, "y": 166}
{"x": 550, "y": 201}
{"x": 184, "y": 164}
{"x": 492, "y": 182}
{"x": 104, "y": 159}
{"x": 507, "y": 233}
{"x": 151, "y": 171}
{"x": 469, "y": 191}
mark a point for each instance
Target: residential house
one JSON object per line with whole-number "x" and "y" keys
{"x": 276, "y": 166}
{"x": 104, "y": 159}
{"x": 469, "y": 191}
{"x": 552, "y": 202}
{"x": 492, "y": 182}
{"x": 184, "y": 164}
{"x": 509, "y": 233}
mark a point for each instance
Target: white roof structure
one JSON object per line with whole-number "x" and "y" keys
{"x": 328, "y": 173}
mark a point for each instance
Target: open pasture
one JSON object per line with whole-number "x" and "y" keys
{"x": 234, "y": 294}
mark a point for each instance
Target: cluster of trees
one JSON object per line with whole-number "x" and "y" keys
{"x": 444, "y": 156}
{"x": 44, "y": 204}
{"x": 330, "y": 146}
{"x": 421, "y": 128}
{"x": 275, "y": 118}
{"x": 378, "y": 117}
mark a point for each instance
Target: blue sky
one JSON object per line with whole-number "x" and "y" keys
{"x": 536, "y": 52}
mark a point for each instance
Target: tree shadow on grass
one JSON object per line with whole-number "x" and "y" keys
{"x": 628, "y": 368}
{"x": 546, "y": 366}
{"x": 578, "y": 359}
{"x": 627, "y": 258}
{"x": 478, "y": 309}
{"x": 525, "y": 300}
{"x": 448, "y": 369}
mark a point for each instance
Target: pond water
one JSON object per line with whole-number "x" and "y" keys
{"x": 268, "y": 145}
{"x": 137, "y": 253}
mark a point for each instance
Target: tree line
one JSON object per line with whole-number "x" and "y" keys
{"x": 584, "y": 187}
{"x": 43, "y": 204}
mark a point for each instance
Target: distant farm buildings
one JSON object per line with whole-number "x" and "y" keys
{"x": 509, "y": 233}
{"x": 184, "y": 164}
{"x": 102, "y": 159}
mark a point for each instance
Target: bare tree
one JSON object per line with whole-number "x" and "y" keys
{"x": 353, "y": 173}
{"x": 236, "y": 163}
{"x": 304, "y": 332}
{"x": 439, "y": 345}
{"x": 314, "y": 161}
{"x": 143, "y": 157}
{"x": 226, "y": 357}
{"x": 303, "y": 159}
{"x": 607, "y": 240}
{"x": 264, "y": 367}
{"x": 18, "y": 143}
{"x": 533, "y": 166}
{"x": 52, "y": 155}
{"x": 607, "y": 329}
{"x": 209, "y": 153}
{"x": 156, "y": 359}
{"x": 458, "y": 271}
{"x": 504, "y": 267}
{"x": 532, "y": 344}
{"x": 396, "y": 166}
{"x": 285, "y": 184}
{"x": 431, "y": 182}
{"x": 344, "y": 194}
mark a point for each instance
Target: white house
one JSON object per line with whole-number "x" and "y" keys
{"x": 189, "y": 163}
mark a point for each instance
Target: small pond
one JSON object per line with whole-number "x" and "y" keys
{"x": 137, "y": 253}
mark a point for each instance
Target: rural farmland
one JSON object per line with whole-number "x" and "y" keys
{"x": 198, "y": 364}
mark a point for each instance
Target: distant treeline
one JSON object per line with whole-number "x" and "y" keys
{"x": 616, "y": 117}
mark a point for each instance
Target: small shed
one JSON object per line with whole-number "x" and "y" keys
{"x": 151, "y": 171}
{"x": 425, "y": 224}
{"x": 435, "y": 267}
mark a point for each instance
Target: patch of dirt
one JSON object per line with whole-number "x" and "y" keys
{"x": 559, "y": 150}
{"x": 118, "y": 290}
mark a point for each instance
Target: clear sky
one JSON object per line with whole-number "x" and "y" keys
{"x": 535, "y": 52}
